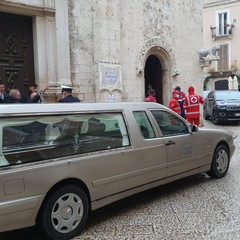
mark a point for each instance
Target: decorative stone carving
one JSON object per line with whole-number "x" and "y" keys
{"x": 176, "y": 72}
{"x": 209, "y": 54}
{"x": 150, "y": 43}
{"x": 139, "y": 71}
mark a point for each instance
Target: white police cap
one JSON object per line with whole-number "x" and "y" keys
{"x": 66, "y": 88}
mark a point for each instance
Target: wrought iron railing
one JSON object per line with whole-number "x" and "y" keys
{"x": 226, "y": 30}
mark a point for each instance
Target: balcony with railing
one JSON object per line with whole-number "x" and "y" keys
{"x": 223, "y": 68}
{"x": 222, "y": 31}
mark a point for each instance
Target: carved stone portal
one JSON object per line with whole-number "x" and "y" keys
{"x": 150, "y": 43}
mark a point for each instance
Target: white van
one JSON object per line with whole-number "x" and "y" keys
{"x": 60, "y": 161}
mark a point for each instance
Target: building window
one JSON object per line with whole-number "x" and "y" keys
{"x": 223, "y": 23}
{"x": 223, "y": 53}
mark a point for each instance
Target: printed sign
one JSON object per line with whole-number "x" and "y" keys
{"x": 110, "y": 76}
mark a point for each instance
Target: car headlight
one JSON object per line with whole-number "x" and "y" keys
{"x": 222, "y": 107}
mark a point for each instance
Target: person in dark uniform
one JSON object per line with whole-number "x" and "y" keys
{"x": 3, "y": 94}
{"x": 67, "y": 95}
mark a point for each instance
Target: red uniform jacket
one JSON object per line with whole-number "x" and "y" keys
{"x": 150, "y": 98}
{"x": 175, "y": 106}
{"x": 192, "y": 105}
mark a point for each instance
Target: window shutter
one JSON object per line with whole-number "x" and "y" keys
{"x": 223, "y": 53}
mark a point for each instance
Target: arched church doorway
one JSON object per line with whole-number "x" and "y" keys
{"x": 153, "y": 76}
{"x": 16, "y": 52}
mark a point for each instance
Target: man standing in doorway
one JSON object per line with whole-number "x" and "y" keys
{"x": 151, "y": 96}
{"x": 192, "y": 105}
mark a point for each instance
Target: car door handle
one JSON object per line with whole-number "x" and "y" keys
{"x": 169, "y": 143}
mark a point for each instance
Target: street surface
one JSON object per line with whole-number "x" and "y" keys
{"x": 196, "y": 207}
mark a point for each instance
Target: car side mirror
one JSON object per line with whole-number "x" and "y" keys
{"x": 194, "y": 128}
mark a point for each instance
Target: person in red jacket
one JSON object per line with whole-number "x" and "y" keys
{"x": 151, "y": 96}
{"x": 192, "y": 105}
{"x": 181, "y": 101}
{"x": 174, "y": 104}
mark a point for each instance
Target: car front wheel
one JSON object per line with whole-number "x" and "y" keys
{"x": 215, "y": 118}
{"x": 64, "y": 213}
{"x": 205, "y": 115}
{"x": 220, "y": 162}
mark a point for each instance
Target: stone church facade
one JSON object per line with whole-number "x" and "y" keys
{"x": 108, "y": 50}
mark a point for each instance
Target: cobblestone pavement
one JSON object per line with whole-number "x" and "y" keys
{"x": 196, "y": 207}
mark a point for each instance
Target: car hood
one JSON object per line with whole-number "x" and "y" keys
{"x": 228, "y": 102}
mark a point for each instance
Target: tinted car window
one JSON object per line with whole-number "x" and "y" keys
{"x": 210, "y": 95}
{"x": 144, "y": 124}
{"x": 169, "y": 123}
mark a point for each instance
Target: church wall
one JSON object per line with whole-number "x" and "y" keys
{"x": 123, "y": 34}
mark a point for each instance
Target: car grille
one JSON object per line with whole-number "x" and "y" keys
{"x": 233, "y": 108}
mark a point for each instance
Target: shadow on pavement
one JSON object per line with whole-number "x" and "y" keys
{"x": 23, "y": 234}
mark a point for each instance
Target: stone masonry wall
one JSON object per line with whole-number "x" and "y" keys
{"x": 115, "y": 31}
